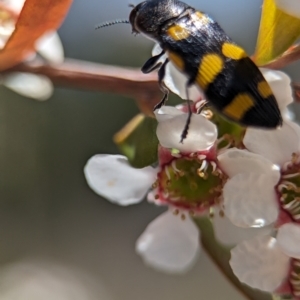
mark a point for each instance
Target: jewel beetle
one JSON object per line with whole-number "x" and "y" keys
{"x": 199, "y": 48}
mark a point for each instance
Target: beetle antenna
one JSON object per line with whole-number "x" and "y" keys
{"x": 109, "y": 23}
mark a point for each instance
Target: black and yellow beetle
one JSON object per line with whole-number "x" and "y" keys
{"x": 199, "y": 48}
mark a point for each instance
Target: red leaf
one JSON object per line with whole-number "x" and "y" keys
{"x": 36, "y": 18}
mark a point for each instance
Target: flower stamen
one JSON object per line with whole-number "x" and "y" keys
{"x": 190, "y": 183}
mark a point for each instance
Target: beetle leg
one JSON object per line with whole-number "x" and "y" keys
{"x": 188, "y": 120}
{"x": 164, "y": 89}
{"x": 151, "y": 64}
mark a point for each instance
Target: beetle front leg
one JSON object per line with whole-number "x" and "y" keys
{"x": 151, "y": 64}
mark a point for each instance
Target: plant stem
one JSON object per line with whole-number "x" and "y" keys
{"x": 92, "y": 76}
{"x": 118, "y": 80}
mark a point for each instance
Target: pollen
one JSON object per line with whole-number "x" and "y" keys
{"x": 176, "y": 212}
{"x": 155, "y": 184}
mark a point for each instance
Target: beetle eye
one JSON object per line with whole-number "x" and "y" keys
{"x": 133, "y": 16}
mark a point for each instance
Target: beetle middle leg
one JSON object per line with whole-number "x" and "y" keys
{"x": 164, "y": 89}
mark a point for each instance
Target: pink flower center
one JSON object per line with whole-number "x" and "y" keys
{"x": 289, "y": 188}
{"x": 191, "y": 182}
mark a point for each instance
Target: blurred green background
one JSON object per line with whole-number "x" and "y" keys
{"x": 50, "y": 220}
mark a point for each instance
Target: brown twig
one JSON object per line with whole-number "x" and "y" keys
{"x": 288, "y": 57}
{"x": 92, "y": 76}
{"x": 122, "y": 81}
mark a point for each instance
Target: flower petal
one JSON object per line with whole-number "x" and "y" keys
{"x": 235, "y": 161}
{"x": 176, "y": 82}
{"x": 280, "y": 84}
{"x": 288, "y": 238}
{"x": 202, "y": 133}
{"x": 291, "y": 7}
{"x": 167, "y": 112}
{"x": 169, "y": 244}
{"x": 277, "y": 145}
{"x": 228, "y": 234}
{"x": 250, "y": 200}
{"x": 260, "y": 263}
{"x": 38, "y": 87}
{"x": 50, "y": 47}
{"x": 112, "y": 177}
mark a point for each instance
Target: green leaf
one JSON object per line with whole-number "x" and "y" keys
{"x": 221, "y": 255}
{"x": 278, "y": 31}
{"x": 137, "y": 140}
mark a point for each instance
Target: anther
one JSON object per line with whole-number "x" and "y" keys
{"x": 155, "y": 184}
{"x": 181, "y": 173}
{"x": 191, "y": 213}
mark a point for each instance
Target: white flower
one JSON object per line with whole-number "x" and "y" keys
{"x": 49, "y": 46}
{"x": 202, "y": 134}
{"x": 260, "y": 263}
{"x": 249, "y": 194}
{"x": 281, "y": 147}
{"x": 250, "y": 198}
{"x": 168, "y": 243}
{"x": 277, "y": 145}
{"x": 270, "y": 264}
{"x": 113, "y": 178}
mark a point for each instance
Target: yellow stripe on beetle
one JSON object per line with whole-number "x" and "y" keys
{"x": 233, "y": 51}
{"x": 198, "y": 16}
{"x": 177, "y": 32}
{"x": 238, "y": 107}
{"x": 211, "y": 66}
{"x": 176, "y": 60}
{"x": 264, "y": 89}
